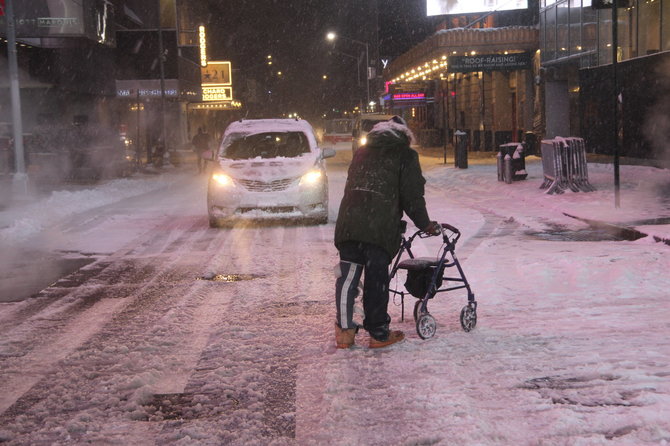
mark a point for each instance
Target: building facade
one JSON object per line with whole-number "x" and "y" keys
{"x": 582, "y": 84}
{"x": 101, "y": 64}
{"x": 477, "y": 75}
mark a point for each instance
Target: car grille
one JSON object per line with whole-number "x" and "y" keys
{"x": 267, "y": 186}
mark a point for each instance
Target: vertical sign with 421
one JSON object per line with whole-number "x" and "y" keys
{"x": 217, "y": 73}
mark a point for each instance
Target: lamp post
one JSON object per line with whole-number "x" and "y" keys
{"x": 332, "y": 36}
{"x": 20, "y": 179}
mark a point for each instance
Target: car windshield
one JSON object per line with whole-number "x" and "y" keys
{"x": 367, "y": 124}
{"x": 239, "y": 146}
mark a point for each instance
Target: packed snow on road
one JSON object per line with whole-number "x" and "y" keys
{"x": 177, "y": 333}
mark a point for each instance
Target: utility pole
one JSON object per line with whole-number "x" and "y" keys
{"x": 615, "y": 56}
{"x": 20, "y": 179}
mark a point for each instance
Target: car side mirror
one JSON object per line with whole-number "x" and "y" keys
{"x": 327, "y": 152}
{"x": 208, "y": 155}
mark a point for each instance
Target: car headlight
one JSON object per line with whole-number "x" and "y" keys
{"x": 363, "y": 140}
{"x": 311, "y": 177}
{"x": 223, "y": 180}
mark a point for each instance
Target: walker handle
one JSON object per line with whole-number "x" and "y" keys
{"x": 451, "y": 228}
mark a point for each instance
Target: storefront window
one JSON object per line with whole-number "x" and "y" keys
{"x": 649, "y": 35}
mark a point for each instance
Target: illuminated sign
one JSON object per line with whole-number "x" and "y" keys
{"x": 216, "y": 82}
{"x": 203, "y": 46}
{"x": 217, "y": 93}
{"x": 408, "y": 96}
{"x": 147, "y": 88}
{"x": 2, "y": 8}
{"x": 443, "y": 7}
{"x": 489, "y": 62}
{"x": 215, "y": 73}
{"x": 142, "y": 92}
{"x": 225, "y": 105}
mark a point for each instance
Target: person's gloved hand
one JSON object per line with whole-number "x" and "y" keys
{"x": 434, "y": 228}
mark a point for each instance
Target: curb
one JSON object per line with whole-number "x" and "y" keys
{"x": 624, "y": 232}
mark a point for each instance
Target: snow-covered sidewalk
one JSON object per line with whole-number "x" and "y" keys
{"x": 644, "y": 195}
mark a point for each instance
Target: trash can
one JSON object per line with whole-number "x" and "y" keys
{"x": 461, "y": 152}
{"x": 512, "y": 161}
{"x": 530, "y": 143}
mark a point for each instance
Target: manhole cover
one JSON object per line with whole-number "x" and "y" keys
{"x": 228, "y": 277}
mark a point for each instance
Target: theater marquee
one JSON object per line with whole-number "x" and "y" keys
{"x": 216, "y": 81}
{"x": 489, "y": 62}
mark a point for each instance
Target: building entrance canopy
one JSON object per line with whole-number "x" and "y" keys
{"x": 430, "y": 59}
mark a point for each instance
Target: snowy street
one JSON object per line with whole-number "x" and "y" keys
{"x": 174, "y": 333}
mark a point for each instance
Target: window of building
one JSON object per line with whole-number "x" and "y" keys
{"x": 576, "y": 46}
{"x": 665, "y": 10}
{"x": 589, "y": 28}
{"x": 562, "y": 29}
{"x": 649, "y": 35}
{"x": 604, "y": 36}
{"x": 549, "y": 49}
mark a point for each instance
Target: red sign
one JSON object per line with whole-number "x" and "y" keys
{"x": 408, "y": 96}
{"x": 2, "y": 8}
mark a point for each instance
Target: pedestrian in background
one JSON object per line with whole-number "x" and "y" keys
{"x": 384, "y": 180}
{"x": 201, "y": 142}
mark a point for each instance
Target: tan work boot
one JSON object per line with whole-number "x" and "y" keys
{"x": 394, "y": 336}
{"x": 344, "y": 338}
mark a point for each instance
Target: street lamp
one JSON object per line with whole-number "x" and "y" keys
{"x": 331, "y": 36}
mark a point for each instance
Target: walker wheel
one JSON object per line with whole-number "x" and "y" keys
{"x": 468, "y": 318}
{"x": 426, "y": 326}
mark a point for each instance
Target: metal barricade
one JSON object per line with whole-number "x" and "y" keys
{"x": 579, "y": 180}
{"x": 564, "y": 165}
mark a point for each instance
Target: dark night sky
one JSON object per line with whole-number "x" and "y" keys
{"x": 293, "y": 31}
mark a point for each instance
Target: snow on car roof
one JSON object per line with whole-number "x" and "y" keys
{"x": 251, "y": 126}
{"x": 269, "y": 125}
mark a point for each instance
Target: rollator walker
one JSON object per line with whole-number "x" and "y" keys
{"x": 425, "y": 278}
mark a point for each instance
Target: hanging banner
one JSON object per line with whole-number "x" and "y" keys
{"x": 489, "y": 62}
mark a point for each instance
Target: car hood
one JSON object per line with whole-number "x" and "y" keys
{"x": 269, "y": 169}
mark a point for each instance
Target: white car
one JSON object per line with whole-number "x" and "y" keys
{"x": 362, "y": 126}
{"x": 268, "y": 168}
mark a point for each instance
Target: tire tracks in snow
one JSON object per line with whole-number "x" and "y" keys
{"x": 49, "y": 336}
